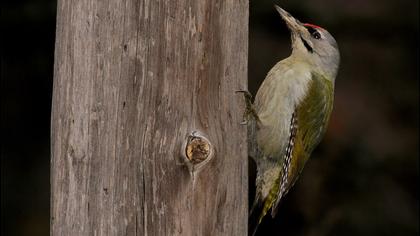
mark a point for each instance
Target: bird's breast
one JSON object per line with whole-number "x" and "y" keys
{"x": 279, "y": 95}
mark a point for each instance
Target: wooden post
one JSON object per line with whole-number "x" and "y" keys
{"x": 146, "y": 137}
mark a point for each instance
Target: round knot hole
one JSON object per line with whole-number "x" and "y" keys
{"x": 198, "y": 149}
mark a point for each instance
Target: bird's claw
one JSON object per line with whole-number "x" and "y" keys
{"x": 247, "y": 94}
{"x": 249, "y": 109}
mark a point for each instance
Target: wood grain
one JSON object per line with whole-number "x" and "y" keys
{"x": 131, "y": 80}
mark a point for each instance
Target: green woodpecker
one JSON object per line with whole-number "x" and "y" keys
{"x": 290, "y": 113}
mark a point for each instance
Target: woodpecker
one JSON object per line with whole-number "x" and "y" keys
{"x": 290, "y": 113}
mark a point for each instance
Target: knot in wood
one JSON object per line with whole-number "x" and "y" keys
{"x": 198, "y": 149}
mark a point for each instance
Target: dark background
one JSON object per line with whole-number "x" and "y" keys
{"x": 361, "y": 180}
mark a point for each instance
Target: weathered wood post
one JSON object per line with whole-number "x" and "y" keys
{"x": 146, "y": 137}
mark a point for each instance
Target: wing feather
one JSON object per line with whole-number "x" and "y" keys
{"x": 311, "y": 119}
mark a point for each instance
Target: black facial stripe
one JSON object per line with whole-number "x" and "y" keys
{"x": 311, "y": 30}
{"x": 309, "y": 48}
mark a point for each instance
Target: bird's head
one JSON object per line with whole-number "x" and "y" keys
{"x": 312, "y": 44}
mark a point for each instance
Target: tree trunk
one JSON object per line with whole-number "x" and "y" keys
{"x": 133, "y": 80}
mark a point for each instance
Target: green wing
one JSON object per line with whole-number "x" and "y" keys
{"x": 312, "y": 116}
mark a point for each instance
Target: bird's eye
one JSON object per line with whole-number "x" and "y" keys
{"x": 314, "y": 33}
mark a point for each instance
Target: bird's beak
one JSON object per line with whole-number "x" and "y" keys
{"x": 293, "y": 24}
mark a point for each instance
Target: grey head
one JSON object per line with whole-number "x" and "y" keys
{"x": 313, "y": 45}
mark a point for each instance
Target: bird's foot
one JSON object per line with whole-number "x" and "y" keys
{"x": 249, "y": 112}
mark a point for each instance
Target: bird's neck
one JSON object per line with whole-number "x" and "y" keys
{"x": 319, "y": 65}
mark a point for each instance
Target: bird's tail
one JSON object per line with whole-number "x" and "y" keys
{"x": 260, "y": 208}
{"x": 255, "y": 216}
